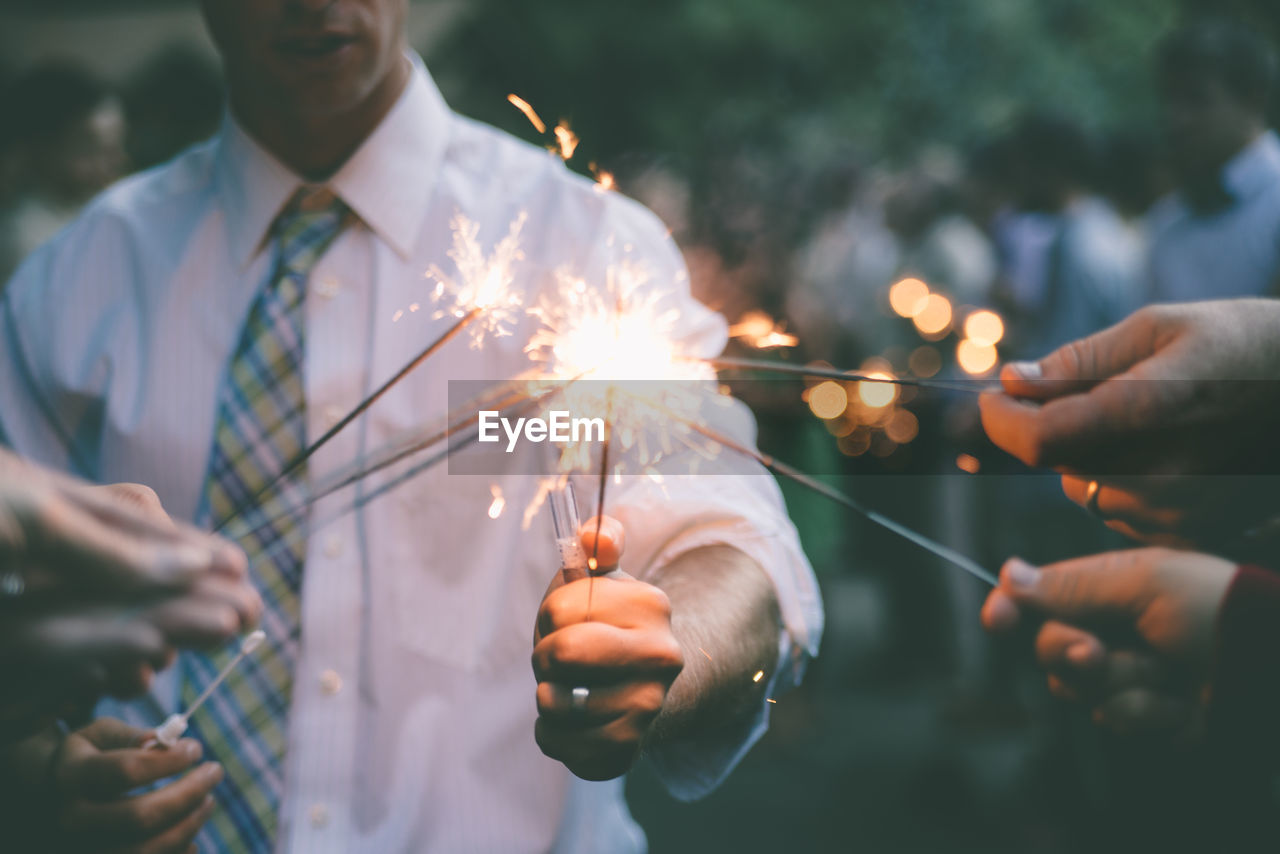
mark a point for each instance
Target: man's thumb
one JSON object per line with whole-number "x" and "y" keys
{"x": 1081, "y": 589}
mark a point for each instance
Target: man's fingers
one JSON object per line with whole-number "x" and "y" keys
{"x": 594, "y": 653}
{"x": 108, "y": 558}
{"x": 622, "y": 602}
{"x": 1102, "y": 586}
{"x": 179, "y": 839}
{"x": 109, "y": 775}
{"x": 611, "y": 541}
{"x": 145, "y": 816}
{"x": 604, "y": 702}
{"x": 215, "y": 612}
{"x": 1000, "y": 614}
{"x": 1082, "y": 364}
{"x": 1131, "y": 505}
{"x": 64, "y": 640}
{"x": 1061, "y": 646}
{"x": 600, "y": 753}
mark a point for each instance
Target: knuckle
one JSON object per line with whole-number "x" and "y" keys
{"x": 650, "y": 698}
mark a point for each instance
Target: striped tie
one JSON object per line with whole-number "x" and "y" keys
{"x": 261, "y": 428}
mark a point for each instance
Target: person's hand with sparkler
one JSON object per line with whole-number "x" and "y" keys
{"x": 1156, "y": 643}
{"x": 623, "y": 664}
{"x": 98, "y": 587}
{"x": 82, "y": 801}
{"x": 1161, "y": 424}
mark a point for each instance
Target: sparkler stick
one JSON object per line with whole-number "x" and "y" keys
{"x": 791, "y": 473}
{"x": 355, "y": 413}
{"x": 168, "y": 733}
{"x": 837, "y": 374}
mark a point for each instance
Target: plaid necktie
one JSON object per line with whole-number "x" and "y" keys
{"x": 261, "y": 428}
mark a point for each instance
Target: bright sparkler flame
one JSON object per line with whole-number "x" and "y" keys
{"x": 620, "y": 345}
{"x": 483, "y": 282}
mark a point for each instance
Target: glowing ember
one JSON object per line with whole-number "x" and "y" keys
{"x": 984, "y": 327}
{"x": 935, "y": 316}
{"x": 908, "y": 297}
{"x": 566, "y": 139}
{"x": 523, "y": 106}
{"x": 759, "y": 675}
{"x": 499, "y": 503}
{"x": 760, "y": 331}
{"x": 604, "y": 180}
{"x": 974, "y": 357}
{"x": 707, "y": 654}
{"x": 828, "y": 399}
{"x": 877, "y": 395}
{"x": 484, "y": 282}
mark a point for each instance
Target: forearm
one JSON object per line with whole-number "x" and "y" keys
{"x": 724, "y": 613}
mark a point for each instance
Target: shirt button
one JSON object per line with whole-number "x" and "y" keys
{"x": 327, "y": 287}
{"x": 333, "y": 546}
{"x": 330, "y": 682}
{"x": 319, "y": 815}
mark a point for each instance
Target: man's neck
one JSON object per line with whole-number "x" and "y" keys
{"x": 316, "y": 145}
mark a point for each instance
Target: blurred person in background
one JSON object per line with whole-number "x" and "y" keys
{"x": 937, "y": 241}
{"x": 1215, "y": 236}
{"x": 68, "y": 143}
{"x": 1088, "y": 270}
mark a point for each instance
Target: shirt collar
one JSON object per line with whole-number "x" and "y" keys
{"x": 387, "y": 182}
{"x": 1256, "y": 167}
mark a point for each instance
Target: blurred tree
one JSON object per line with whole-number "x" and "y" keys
{"x": 683, "y": 75}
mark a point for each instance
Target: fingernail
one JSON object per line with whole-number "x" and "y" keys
{"x": 213, "y": 771}
{"x": 191, "y": 749}
{"x": 1026, "y": 370}
{"x": 1021, "y": 574}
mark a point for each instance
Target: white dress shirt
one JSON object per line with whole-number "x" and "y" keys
{"x": 1234, "y": 252}
{"x": 411, "y": 727}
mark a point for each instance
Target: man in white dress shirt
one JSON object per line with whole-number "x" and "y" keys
{"x": 411, "y": 708}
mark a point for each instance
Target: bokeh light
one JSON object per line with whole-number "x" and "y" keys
{"x": 935, "y": 316}
{"x": 877, "y": 395}
{"x": 984, "y": 327}
{"x": 828, "y": 399}
{"x": 908, "y": 297}
{"x": 974, "y": 357}
{"x": 902, "y": 427}
{"x": 925, "y": 361}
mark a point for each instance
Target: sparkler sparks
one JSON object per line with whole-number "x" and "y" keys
{"x": 760, "y": 331}
{"x": 566, "y": 140}
{"x": 484, "y": 282}
{"x": 525, "y": 107}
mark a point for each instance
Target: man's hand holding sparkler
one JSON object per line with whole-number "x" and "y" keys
{"x": 659, "y": 661}
{"x": 1135, "y": 416}
{"x": 1131, "y": 634}
{"x": 605, "y": 657}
